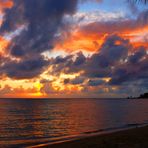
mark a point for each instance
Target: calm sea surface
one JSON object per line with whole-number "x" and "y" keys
{"x": 37, "y": 121}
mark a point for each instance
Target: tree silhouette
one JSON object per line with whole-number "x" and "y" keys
{"x": 140, "y": 1}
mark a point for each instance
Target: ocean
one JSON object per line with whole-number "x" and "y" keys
{"x": 29, "y": 122}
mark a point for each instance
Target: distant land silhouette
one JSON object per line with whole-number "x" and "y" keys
{"x": 142, "y": 96}
{"x": 145, "y": 95}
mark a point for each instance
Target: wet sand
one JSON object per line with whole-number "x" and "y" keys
{"x": 131, "y": 138}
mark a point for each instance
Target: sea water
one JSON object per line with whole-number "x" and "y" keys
{"x": 35, "y": 121}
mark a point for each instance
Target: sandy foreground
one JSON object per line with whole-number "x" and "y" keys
{"x": 131, "y": 138}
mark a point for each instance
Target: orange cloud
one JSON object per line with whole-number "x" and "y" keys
{"x": 80, "y": 41}
{"x": 138, "y": 37}
{"x": 19, "y": 92}
{"x": 91, "y": 41}
{"x": 3, "y": 45}
{"x": 6, "y": 4}
{"x": 89, "y": 37}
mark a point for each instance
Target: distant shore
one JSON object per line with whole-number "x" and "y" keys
{"x": 142, "y": 96}
{"x": 129, "y": 138}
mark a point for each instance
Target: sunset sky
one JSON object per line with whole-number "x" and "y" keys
{"x": 73, "y": 48}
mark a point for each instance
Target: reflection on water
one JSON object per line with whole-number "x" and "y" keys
{"x": 23, "y": 121}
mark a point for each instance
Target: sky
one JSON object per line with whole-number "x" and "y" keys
{"x": 73, "y": 48}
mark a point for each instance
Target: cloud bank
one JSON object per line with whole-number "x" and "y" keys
{"x": 31, "y": 29}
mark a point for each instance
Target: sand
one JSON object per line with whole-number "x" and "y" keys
{"x": 131, "y": 138}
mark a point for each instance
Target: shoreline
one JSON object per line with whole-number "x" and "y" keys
{"x": 135, "y": 137}
{"x": 120, "y": 137}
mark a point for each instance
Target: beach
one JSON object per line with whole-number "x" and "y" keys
{"x": 130, "y": 138}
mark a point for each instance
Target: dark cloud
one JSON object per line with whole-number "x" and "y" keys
{"x": 36, "y": 24}
{"x": 17, "y": 51}
{"x": 136, "y": 68}
{"x": 80, "y": 59}
{"x": 59, "y": 59}
{"x": 137, "y": 56}
{"x": 77, "y": 80}
{"x": 25, "y": 69}
{"x": 41, "y": 21}
{"x": 114, "y": 46}
{"x": 143, "y": 18}
{"x": 66, "y": 81}
{"x": 69, "y": 64}
{"x": 114, "y": 60}
{"x": 112, "y": 52}
{"x": 95, "y": 82}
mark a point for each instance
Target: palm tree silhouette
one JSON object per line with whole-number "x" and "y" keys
{"x": 140, "y": 1}
{"x": 144, "y": 1}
